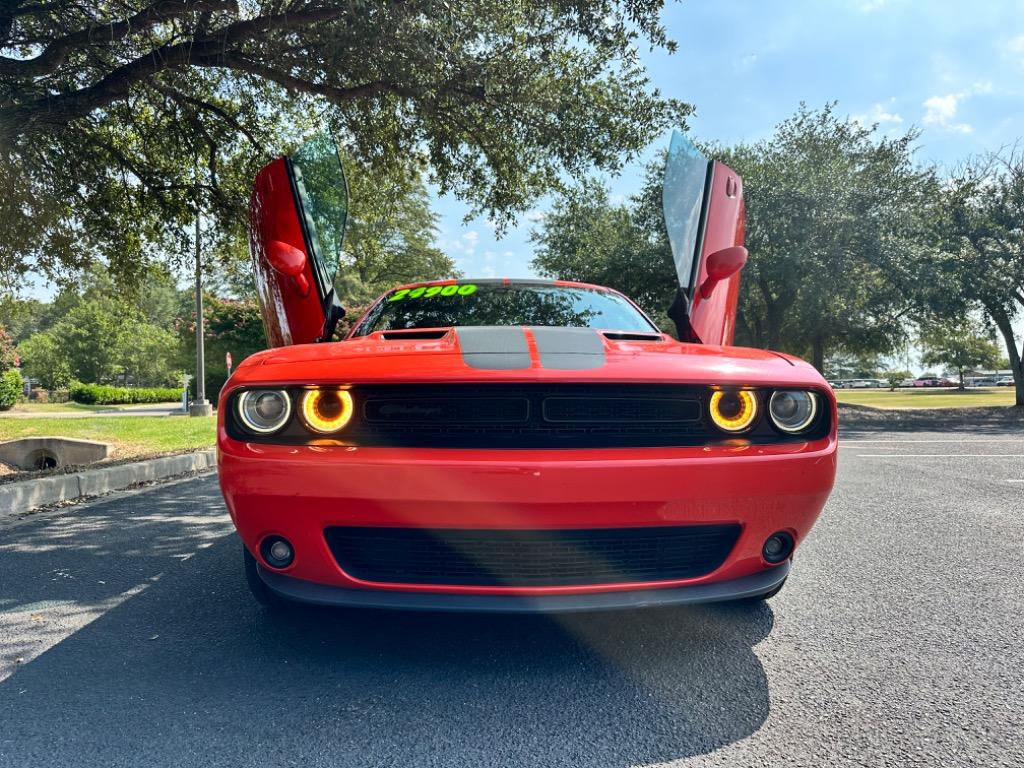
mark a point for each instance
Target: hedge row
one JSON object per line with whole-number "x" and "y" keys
{"x": 11, "y": 385}
{"x": 101, "y": 394}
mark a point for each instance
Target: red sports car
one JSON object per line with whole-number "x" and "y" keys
{"x": 515, "y": 445}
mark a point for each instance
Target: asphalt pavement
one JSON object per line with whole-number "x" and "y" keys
{"x": 128, "y": 638}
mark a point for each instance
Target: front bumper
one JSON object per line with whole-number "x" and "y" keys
{"x": 752, "y": 586}
{"x": 299, "y": 491}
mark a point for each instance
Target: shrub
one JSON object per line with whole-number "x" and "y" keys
{"x": 39, "y": 395}
{"x": 102, "y": 394}
{"x": 11, "y": 388}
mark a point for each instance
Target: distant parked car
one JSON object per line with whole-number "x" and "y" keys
{"x": 926, "y": 381}
{"x": 907, "y": 383}
{"x": 1006, "y": 381}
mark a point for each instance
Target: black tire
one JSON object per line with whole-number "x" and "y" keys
{"x": 264, "y": 595}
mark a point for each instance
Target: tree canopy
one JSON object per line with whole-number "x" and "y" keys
{"x": 832, "y": 211}
{"x": 118, "y": 119}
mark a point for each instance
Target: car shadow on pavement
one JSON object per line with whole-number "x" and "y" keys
{"x": 190, "y": 671}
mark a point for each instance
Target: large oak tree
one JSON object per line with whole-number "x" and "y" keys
{"x": 115, "y": 116}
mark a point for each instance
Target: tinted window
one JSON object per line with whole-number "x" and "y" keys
{"x": 468, "y": 304}
{"x": 323, "y": 200}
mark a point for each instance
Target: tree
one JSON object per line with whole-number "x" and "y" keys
{"x": 960, "y": 345}
{"x": 119, "y": 121}
{"x": 833, "y": 214}
{"x": 895, "y": 377}
{"x": 233, "y": 326}
{"x": 981, "y": 263}
{"x": 45, "y": 361}
{"x": 390, "y": 234}
{"x": 8, "y": 354}
{"x": 587, "y": 238}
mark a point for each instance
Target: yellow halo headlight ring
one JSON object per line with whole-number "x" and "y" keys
{"x": 327, "y": 410}
{"x": 733, "y": 411}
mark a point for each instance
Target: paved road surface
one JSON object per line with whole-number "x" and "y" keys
{"x": 898, "y": 641}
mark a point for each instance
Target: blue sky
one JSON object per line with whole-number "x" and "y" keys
{"x": 953, "y": 69}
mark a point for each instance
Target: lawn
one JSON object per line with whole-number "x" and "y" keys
{"x": 131, "y": 435}
{"x": 927, "y": 397}
{"x": 67, "y": 407}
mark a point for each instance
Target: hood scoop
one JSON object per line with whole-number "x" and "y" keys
{"x": 414, "y": 334}
{"x": 631, "y": 336}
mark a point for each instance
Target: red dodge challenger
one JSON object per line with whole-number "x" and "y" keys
{"x": 515, "y": 445}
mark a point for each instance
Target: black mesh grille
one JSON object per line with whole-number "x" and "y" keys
{"x": 529, "y": 416}
{"x": 531, "y": 558}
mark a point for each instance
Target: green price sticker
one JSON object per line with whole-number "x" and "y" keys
{"x": 427, "y": 291}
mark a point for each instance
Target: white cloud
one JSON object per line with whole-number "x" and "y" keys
{"x": 941, "y": 111}
{"x": 881, "y": 114}
{"x": 1013, "y": 49}
{"x": 535, "y": 215}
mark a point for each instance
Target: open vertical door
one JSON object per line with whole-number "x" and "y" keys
{"x": 297, "y": 218}
{"x": 702, "y": 201}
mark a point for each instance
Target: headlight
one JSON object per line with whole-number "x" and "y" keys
{"x": 793, "y": 410}
{"x": 733, "y": 411}
{"x": 326, "y": 411}
{"x": 263, "y": 411}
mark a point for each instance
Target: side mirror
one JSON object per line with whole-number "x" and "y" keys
{"x": 721, "y": 265}
{"x": 289, "y": 261}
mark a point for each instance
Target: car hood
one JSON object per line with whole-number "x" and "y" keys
{"x": 522, "y": 355}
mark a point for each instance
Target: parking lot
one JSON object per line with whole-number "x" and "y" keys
{"x": 127, "y": 637}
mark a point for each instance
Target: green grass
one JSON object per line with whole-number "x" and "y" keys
{"x": 132, "y": 436}
{"x": 927, "y": 397}
{"x": 68, "y": 407}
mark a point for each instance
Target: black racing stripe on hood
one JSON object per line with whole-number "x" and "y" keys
{"x": 493, "y": 347}
{"x": 569, "y": 349}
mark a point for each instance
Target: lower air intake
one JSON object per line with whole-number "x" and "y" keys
{"x": 530, "y": 558}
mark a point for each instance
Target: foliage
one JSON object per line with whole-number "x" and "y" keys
{"x": 586, "y": 237}
{"x": 46, "y": 361}
{"x": 231, "y": 326}
{"x": 390, "y": 234}
{"x": 982, "y": 262}
{"x": 896, "y": 377}
{"x": 118, "y": 121}
{"x": 830, "y": 208}
{"x": 8, "y": 354}
{"x": 101, "y": 339}
{"x": 960, "y": 345}
{"x": 101, "y": 394}
{"x": 833, "y": 212}
{"x": 11, "y": 388}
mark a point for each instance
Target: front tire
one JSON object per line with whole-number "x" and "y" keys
{"x": 263, "y": 594}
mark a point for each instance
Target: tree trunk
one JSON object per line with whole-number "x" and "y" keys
{"x": 818, "y": 354}
{"x": 961, "y": 371}
{"x": 1006, "y": 329}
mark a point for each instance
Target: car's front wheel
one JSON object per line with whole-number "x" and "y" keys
{"x": 264, "y": 595}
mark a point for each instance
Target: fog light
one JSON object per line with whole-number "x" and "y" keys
{"x": 277, "y": 552}
{"x": 777, "y": 547}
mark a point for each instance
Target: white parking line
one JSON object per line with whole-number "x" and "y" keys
{"x": 940, "y": 455}
{"x": 959, "y": 442}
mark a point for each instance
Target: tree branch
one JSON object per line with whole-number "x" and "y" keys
{"x": 54, "y": 55}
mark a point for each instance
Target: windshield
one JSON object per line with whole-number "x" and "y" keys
{"x": 466, "y": 304}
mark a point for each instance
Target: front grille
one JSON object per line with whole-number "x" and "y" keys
{"x": 529, "y": 416}
{"x": 530, "y": 558}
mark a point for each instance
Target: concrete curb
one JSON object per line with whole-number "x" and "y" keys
{"x": 17, "y": 498}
